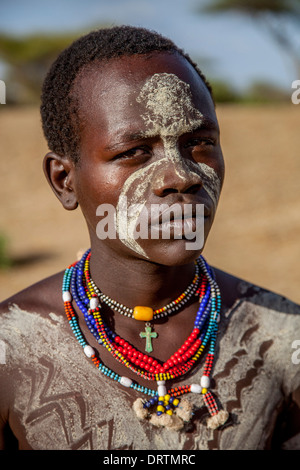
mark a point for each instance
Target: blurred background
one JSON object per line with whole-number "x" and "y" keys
{"x": 250, "y": 52}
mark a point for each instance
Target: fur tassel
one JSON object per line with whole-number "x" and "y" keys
{"x": 171, "y": 422}
{"x": 184, "y": 410}
{"x": 139, "y": 409}
{"x": 217, "y": 420}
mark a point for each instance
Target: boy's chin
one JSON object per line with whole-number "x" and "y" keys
{"x": 172, "y": 252}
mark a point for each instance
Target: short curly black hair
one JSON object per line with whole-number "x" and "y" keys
{"x": 59, "y": 110}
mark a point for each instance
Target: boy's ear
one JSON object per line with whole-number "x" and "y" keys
{"x": 59, "y": 172}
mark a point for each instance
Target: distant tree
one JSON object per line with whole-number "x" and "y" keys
{"x": 27, "y": 60}
{"x": 276, "y": 15}
{"x": 223, "y": 92}
{"x": 264, "y": 92}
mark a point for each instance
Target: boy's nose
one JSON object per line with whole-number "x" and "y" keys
{"x": 176, "y": 177}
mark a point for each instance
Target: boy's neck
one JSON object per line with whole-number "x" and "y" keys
{"x": 132, "y": 281}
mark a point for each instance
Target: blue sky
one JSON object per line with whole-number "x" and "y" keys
{"x": 232, "y": 47}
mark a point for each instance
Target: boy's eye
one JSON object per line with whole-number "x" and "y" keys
{"x": 200, "y": 142}
{"x": 137, "y": 152}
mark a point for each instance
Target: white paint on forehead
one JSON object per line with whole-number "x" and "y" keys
{"x": 169, "y": 108}
{"x": 169, "y": 113}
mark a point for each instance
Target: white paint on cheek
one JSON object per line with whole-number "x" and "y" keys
{"x": 133, "y": 192}
{"x": 211, "y": 182}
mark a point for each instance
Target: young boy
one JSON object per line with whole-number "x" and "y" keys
{"x": 141, "y": 344}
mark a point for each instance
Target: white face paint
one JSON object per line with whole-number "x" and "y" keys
{"x": 169, "y": 113}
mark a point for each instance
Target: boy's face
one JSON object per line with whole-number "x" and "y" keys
{"x": 149, "y": 136}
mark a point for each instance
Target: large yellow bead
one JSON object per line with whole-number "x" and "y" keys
{"x": 143, "y": 313}
{"x": 204, "y": 391}
{"x": 160, "y": 408}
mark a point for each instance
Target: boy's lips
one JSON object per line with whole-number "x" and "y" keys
{"x": 175, "y": 221}
{"x": 178, "y": 213}
{"x": 177, "y": 228}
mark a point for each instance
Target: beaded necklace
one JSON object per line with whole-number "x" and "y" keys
{"x": 168, "y": 309}
{"x": 170, "y": 412}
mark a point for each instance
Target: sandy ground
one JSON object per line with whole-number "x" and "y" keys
{"x": 256, "y": 234}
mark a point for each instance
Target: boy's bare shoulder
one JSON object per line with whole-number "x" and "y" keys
{"x": 42, "y": 297}
{"x": 238, "y": 291}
